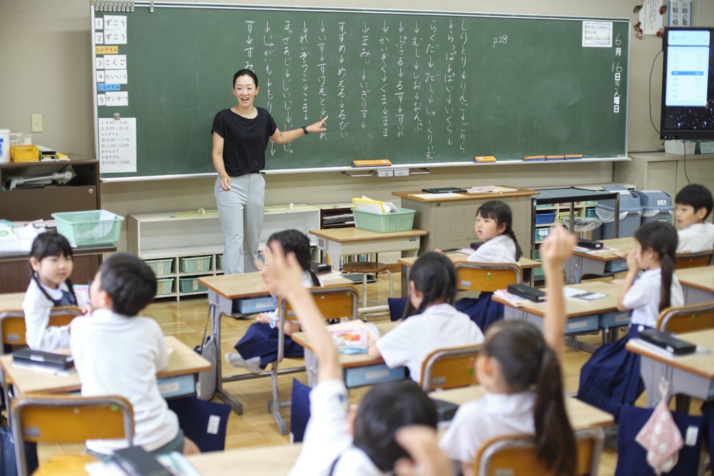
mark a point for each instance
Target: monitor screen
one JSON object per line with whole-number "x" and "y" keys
{"x": 688, "y": 84}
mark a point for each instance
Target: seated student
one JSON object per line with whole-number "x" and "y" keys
{"x": 431, "y": 321}
{"x": 117, "y": 352}
{"x": 259, "y": 346}
{"x": 51, "y": 262}
{"x": 520, "y": 367}
{"x": 693, "y": 204}
{"x": 372, "y": 442}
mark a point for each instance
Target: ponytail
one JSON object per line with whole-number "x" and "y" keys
{"x": 661, "y": 238}
{"x": 315, "y": 280}
{"x": 509, "y": 232}
{"x": 668, "y": 266}
{"x": 434, "y": 275}
{"x": 555, "y": 441}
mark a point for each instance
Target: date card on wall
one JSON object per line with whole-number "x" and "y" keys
{"x": 117, "y": 145}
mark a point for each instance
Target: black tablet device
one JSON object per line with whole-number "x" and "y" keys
{"x": 443, "y": 190}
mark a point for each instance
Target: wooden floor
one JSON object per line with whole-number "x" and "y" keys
{"x": 186, "y": 320}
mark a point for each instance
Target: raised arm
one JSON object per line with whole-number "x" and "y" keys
{"x": 555, "y": 250}
{"x": 288, "y": 136}
{"x": 284, "y": 277}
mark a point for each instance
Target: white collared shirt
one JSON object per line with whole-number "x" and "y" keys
{"x": 644, "y": 294}
{"x": 307, "y": 282}
{"x": 327, "y": 437}
{"x": 439, "y": 326}
{"x": 36, "y": 307}
{"x": 499, "y": 249}
{"x": 119, "y": 355}
{"x": 495, "y": 414}
{"x": 696, "y": 238}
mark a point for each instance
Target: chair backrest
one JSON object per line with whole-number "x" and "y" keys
{"x": 486, "y": 277}
{"x": 69, "y": 419}
{"x": 13, "y": 323}
{"x": 516, "y": 455}
{"x": 694, "y": 317}
{"x": 449, "y": 367}
{"x": 694, "y": 260}
{"x": 333, "y": 303}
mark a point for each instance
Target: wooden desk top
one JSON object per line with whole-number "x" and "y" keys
{"x": 182, "y": 361}
{"x": 697, "y": 364}
{"x": 524, "y": 263}
{"x": 274, "y": 460}
{"x": 520, "y": 192}
{"x": 617, "y": 244}
{"x": 699, "y": 278}
{"x": 11, "y": 301}
{"x": 574, "y": 308}
{"x": 355, "y": 235}
{"x": 249, "y": 285}
{"x": 580, "y": 413}
{"x": 350, "y": 360}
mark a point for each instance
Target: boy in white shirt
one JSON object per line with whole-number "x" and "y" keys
{"x": 117, "y": 352}
{"x": 375, "y": 440}
{"x": 693, "y": 204}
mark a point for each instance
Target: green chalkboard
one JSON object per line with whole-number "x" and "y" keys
{"x": 414, "y": 87}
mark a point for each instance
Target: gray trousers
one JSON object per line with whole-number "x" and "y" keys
{"x": 241, "y": 214}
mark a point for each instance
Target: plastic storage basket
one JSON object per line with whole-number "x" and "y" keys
{"x": 89, "y": 228}
{"x": 385, "y": 223}
{"x": 219, "y": 262}
{"x": 164, "y": 286}
{"x": 191, "y": 285}
{"x": 197, "y": 264}
{"x": 160, "y": 267}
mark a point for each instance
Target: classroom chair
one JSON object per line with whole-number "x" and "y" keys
{"x": 694, "y": 317}
{"x": 68, "y": 419}
{"x": 694, "y": 260}
{"x": 449, "y": 367}
{"x": 333, "y": 303}
{"x": 516, "y": 455}
{"x": 486, "y": 277}
{"x": 365, "y": 268}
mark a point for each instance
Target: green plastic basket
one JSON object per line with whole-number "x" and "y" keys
{"x": 191, "y": 285}
{"x": 385, "y": 223}
{"x": 219, "y": 262}
{"x": 89, "y": 228}
{"x": 160, "y": 267}
{"x": 164, "y": 286}
{"x": 195, "y": 264}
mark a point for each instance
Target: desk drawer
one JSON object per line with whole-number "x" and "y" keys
{"x": 177, "y": 386}
{"x": 616, "y": 266}
{"x": 581, "y": 324}
{"x": 373, "y": 374}
{"x": 254, "y": 305}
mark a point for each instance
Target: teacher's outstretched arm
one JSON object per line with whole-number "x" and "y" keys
{"x": 218, "y": 164}
{"x": 289, "y": 136}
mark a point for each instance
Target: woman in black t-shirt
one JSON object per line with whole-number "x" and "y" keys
{"x": 240, "y": 137}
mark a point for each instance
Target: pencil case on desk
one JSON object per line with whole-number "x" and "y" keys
{"x": 43, "y": 359}
{"x": 526, "y": 292}
{"x": 667, "y": 341}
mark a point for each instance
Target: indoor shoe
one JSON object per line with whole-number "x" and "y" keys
{"x": 236, "y": 360}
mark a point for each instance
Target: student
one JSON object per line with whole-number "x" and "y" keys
{"x": 117, "y": 352}
{"x": 366, "y": 444}
{"x": 259, "y": 346}
{"x": 431, "y": 321}
{"x": 51, "y": 265}
{"x": 612, "y": 375}
{"x": 693, "y": 204}
{"x": 520, "y": 368}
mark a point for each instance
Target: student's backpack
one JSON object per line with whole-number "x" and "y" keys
{"x": 206, "y": 384}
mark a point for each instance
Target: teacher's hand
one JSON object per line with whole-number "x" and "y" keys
{"x": 318, "y": 126}
{"x": 226, "y": 183}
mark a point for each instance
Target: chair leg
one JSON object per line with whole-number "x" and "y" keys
{"x": 364, "y": 290}
{"x": 391, "y": 283}
{"x": 274, "y": 403}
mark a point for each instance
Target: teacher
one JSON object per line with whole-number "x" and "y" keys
{"x": 240, "y": 137}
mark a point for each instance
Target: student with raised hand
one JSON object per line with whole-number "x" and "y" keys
{"x": 335, "y": 444}
{"x": 611, "y": 377}
{"x": 520, "y": 368}
{"x": 431, "y": 320}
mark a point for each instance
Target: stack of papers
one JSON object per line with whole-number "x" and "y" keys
{"x": 512, "y": 299}
{"x": 582, "y": 294}
{"x": 490, "y": 189}
{"x": 366, "y": 204}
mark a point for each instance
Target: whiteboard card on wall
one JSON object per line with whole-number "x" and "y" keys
{"x": 117, "y": 145}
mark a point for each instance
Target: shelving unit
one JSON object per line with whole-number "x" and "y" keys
{"x": 580, "y": 209}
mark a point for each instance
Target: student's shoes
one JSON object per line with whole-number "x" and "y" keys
{"x": 236, "y": 360}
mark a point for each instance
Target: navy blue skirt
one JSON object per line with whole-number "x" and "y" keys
{"x": 260, "y": 340}
{"x": 611, "y": 377}
{"x": 482, "y": 310}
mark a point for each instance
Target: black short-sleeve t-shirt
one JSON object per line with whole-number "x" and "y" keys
{"x": 245, "y": 140}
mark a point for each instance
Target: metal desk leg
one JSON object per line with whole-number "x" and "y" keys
{"x": 216, "y": 334}
{"x": 405, "y": 280}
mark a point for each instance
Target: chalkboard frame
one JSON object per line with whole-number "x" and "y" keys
{"x": 121, "y": 6}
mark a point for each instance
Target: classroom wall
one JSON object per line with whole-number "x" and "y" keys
{"x": 46, "y": 51}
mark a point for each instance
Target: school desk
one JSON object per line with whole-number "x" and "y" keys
{"x": 690, "y": 375}
{"x": 11, "y": 301}
{"x": 526, "y": 265}
{"x": 359, "y": 369}
{"x": 222, "y": 291}
{"x": 276, "y": 460}
{"x": 580, "y": 316}
{"x": 599, "y": 262}
{"x": 449, "y": 219}
{"x": 697, "y": 284}
{"x": 176, "y": 380}
{"x": 581, "y": 414}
